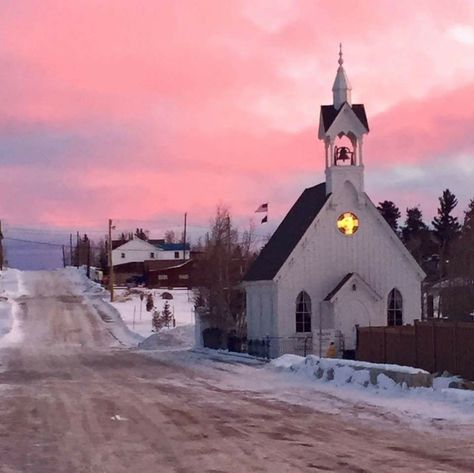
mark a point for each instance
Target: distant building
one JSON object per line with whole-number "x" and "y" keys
{"x": 333, "y": 263}
{"x": 132, "y": 259}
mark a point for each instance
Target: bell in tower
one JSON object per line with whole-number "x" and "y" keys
{"x": 343, "y": 154}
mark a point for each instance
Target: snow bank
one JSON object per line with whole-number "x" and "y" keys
{"x": 96, "y": 297}
{"x": 340, "y": 372}
{"x": 80, "y": 281}
{"x": 14, "y": 334}
{"x": 341, "y": 380}
{"x": 181, "y": 337}
{"x": 12, "y": 284}
{"x": 11, "y": 287}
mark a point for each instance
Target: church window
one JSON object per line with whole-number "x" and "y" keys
{"x": 348, "y": 223}
{"x": 395, "y": 308}
{"x": 303, "y": 312}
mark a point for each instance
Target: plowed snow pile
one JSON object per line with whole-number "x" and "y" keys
{"x": 11, "y": 287}
{"x": 341, "y": 372}
{"x": 181, "y": 337}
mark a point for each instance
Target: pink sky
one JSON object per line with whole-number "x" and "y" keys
{"x": 144, "y": 110}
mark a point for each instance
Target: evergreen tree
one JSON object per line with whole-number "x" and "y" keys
{"x": 101, "y": 259}
{"x": 149, "y": 302}
{"x": 458, "y": 295}
{"x": 414, "y": 225}
{"x": 390, "y": 212}
{"x": 166, "y": 314}
{"x": 141, "y": 234}
{"x": 446, "y": 227}
{"x": 123, "y": 238}
{"x": 468, "y": 224}
{"x": 157, "y": 321}
{"x": 416, "y": 235}
{"x": 462, "y": 261}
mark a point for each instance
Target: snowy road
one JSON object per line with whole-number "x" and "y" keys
{"x": 72, "y": 399}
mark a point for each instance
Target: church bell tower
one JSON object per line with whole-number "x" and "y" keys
{"x": 341, "y": 127}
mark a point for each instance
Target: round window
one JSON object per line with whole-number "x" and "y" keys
{"x": 348, "y": 223}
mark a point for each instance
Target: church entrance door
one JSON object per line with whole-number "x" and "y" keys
{"x": 351, "y": 312}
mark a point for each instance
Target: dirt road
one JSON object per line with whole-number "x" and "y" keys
{"x": 72, "y": 400}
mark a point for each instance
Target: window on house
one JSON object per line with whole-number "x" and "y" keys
{"x": 122, "y": 255}
{"x": 162, "y": 277}
{"x": 183, "y": 276}
{"x": 152, "y": 255}
{"x": 303, "y": 312}
{"x": 176, "y": 254}
{"x": 395, "y": 308}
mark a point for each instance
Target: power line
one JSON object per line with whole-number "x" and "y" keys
{"x": 48, "y": 243}
{"x": 33, "y": 241}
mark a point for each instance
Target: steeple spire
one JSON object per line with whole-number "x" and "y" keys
{"x": 341, "y": 90}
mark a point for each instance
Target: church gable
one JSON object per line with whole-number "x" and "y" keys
{"x": 329, "y": 115}
{"x": 356, "y": 282}
{"x": 347, "y": 121}
{"x": 324, "y": 250}
{"x": 288, "y": 234}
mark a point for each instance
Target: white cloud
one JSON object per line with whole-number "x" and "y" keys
{"x": 462, "y": 33}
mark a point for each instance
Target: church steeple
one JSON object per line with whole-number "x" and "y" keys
{"x": 341, "y": 90}
{"x": 341, "y": 127}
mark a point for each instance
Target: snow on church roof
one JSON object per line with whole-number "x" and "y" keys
{"x": 288, "y": 234}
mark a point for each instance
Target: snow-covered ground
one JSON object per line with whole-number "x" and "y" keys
{"x": 290, "y": 379}
{"x": 133, "y": 312}
{"x": 420, "y": 408}
{"x": 11, "y": 287}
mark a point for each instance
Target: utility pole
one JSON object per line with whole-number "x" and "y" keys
{"x": 1, "y": 246}
{"x": 184, "y": 237}
{"x": 70, "y": 249}
{"x": 88, "y": 258}
{"x": 111, "y": 266}
{"x": 64, "y": 256}
{"x": 77, "y": 249}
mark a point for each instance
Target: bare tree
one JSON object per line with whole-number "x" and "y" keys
{"x": 226, "y": 255}
{"x": 170, "y": 236}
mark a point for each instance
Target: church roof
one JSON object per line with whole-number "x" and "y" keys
{"x": 329, "y": 114}
{"x": 339, "y": 286}
{"x": 288, "y": 234}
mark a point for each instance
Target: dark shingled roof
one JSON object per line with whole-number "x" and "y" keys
{"x": 288, "y": 234}
{"x": 329, "y": 114}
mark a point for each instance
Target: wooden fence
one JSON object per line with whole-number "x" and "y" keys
{"x": 434, "y": 346}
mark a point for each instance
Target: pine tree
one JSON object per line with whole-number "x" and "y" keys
{"x": 141, "y": 234}
{"x": 414, "y": 225}
{"x": 458, "y": 296}
{"x": 149, "y": 302}
{"x": 390, "y": 212}
{"x": 446, "y": 227}
{"x": 157, "y": 321}
{"x": 416, "y": 235}
{"x": 462, "y": 261}
{"x": 166, "y": 314}
{"x": 468, "y": 224}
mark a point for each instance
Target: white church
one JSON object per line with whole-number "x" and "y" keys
{"x": 333, "y": 263}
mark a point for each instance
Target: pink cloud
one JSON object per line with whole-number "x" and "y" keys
{"x": 110, "y": 109}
